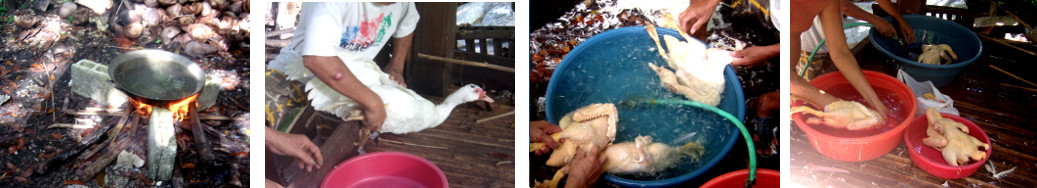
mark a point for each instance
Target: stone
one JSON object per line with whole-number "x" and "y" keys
{"x": 82, "y": 16}
{"x": 152, "y": 16}
{"x": 207, "y": 97}
{"x": 168, "y": 33}
{"x": 66, "y": 9}
{"x": 133, "y": 30}
{"x": 26, "y": 21}
{"x": 161, "y": 144}
{"x": 99, "y": 6}
{"x": 199, "y": 49}
{"x": 40, "y": 5}
{"x": 90, "y": 79}
{"x": 151, "y": 3}
{"x": 127, "y": 160}
{"x": 200, "y": 32}
{"x": 167, "y": 2}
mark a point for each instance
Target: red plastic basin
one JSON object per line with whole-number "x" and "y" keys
{"x": 765, "y": 178}
{"x": 385, "y": 170}
{"x": 930, "y": 160}
{"x": 855, "y": 149}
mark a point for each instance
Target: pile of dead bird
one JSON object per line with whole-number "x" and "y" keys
{"x": 198, "y": 27}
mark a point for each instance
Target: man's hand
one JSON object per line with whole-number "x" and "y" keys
{"x": 585, "y": 168}
{"x": 540, "y": 131}
{"x": 295, "y": 145}
{"x": 694, "y": 18}
{"x": 396, "y": 75}
{"x": 906, "y": 32}
{"x": 374, "y": 116}
{"x": 400, "y": 50}
{"x": 753, "y": 55}
{"x": 884, "y": 28}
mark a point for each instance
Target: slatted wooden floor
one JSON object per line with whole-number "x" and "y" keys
{"x": 477, "y": 155}
{"x": 1006, "y": 113}
{"x": 470, "y": 154}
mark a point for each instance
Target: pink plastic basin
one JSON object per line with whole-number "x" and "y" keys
{"x": 765, "y": 178}
{"x": 854, "y": 149}
{"x": 385, "y": 170}
{"x": 930, "y": 160}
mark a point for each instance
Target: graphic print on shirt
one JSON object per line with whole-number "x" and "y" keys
{"x": 360, "y": 37}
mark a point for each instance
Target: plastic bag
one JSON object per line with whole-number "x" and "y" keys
{"x": 486, "y": 14}
{"x": 470, "y": 13}
{"x": 941, "y": 102}
{"x": 498, "y": 14}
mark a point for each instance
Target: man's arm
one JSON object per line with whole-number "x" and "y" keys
{"x": 832, "y": 25}
{"x": 400, "y": 50}
{"x": 694, "y": 18}
{"x": 336, "y": 75}
{"x": 753, "y": 55}
{"x": 799, "y": 86}
{"x": 906, "y": 31}
{"x": 880, "y": 24}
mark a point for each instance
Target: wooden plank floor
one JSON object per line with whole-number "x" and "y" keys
{"x": 475, "y": 155}
{"x": 1005, "y": 113}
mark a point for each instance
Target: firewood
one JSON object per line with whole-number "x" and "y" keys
{"x": 62, "y": 158}
{"x": 200, "y": 141}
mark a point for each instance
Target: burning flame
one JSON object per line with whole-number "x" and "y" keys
{"x": 181, "y": 108}
{"x": 143, "y": 108}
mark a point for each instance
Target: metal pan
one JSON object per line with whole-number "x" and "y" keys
{"x": 156, "y": 74}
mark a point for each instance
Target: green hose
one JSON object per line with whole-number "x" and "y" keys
{"x": 810, "y": 58}
{"x": 745, "y": 132}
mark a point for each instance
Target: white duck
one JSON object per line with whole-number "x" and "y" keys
{"x": 406, "y": 111}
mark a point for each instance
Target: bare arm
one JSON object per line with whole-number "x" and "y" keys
{"x": 831, "y": 21}
{"x": 799, "y": 86}
{"x": 694, "y": 18}
{"x": 327, "y": 67}
{"x": 906, "y": 32}
{"x": 852, "y": 10}
{"x": 753, "y": 55}
{"x": 400, "y": 50}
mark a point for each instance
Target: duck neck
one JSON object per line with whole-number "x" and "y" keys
{"x": 447, "y": 106}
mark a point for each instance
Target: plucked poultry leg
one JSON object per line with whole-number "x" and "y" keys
{"x": 953, "y": 140}
{"x": 590, "y": 127}
{"x": 594, "y": 124}
{"x": 843, "y": 114}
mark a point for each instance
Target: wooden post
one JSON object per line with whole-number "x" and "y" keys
{"x": 910, "y": 6}
{"x": 435, "y": 35}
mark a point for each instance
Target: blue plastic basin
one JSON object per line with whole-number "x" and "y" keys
{"x": 931, "y": 30}
{"x": 612, "y": 67}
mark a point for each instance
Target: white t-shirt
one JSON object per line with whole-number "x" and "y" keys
{"x": 362, "y": 28}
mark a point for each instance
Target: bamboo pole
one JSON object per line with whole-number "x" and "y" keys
{"x": 494, "y": 117}
{"x": 1013, "y": 75}
{"x": 1006, "y": 44}
{"x": 466, "y": 62}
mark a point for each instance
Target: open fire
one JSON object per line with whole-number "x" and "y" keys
{"x": 180, "y": 107}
